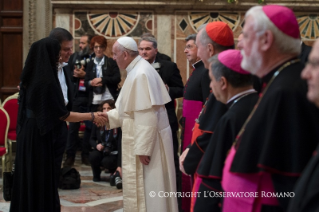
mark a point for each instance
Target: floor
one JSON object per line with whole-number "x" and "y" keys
{"x": 92, "y": 196}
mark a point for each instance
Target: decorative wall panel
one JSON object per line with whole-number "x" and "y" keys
{"x": 112, "y": 24}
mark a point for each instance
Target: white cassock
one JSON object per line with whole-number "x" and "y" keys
{"x": 141, "y": 113}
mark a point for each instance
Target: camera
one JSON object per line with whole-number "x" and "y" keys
{"x": 108, "y": 147}
{"x": 83, "y": 62}
{"x": 116, "y": 180}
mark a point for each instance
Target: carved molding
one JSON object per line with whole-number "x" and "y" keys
{"x": 48, "y": 17}
{"x": 32, "y": 21}
{"x": 165, "y": 6}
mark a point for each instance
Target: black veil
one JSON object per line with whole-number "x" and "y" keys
{"x": 40, "y": 90}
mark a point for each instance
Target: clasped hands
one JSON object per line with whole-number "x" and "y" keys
{"x": 96, "y": 82}
{"x": 100, "y": 119}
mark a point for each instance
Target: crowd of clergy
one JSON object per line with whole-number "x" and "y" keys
{"x": 249, "y": 123}
{"x": 250, "y": 145}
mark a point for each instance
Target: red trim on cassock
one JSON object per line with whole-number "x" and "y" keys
{"x": 211, "y": 188}
{"x": 275, "y": 171}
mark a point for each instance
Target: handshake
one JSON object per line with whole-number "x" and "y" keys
{"x": 100, "y": 119}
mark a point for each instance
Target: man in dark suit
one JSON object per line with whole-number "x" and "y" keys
{"x": 173, "y": 82}
{"x": 80, "y": 99}
{"x": 66, "y": 42}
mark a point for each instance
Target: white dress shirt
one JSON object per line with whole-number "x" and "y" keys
{"x": 62, "y": 80}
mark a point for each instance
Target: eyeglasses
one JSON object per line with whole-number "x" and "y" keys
{"x": 189, "y": 47}
{"x": 98, "y": 47}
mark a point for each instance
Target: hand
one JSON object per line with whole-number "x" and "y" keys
{"x": 119, "y": 169}
{"x": 79, "y": 73}
{"x": 182, "y": 159}
{"x": 145, "y": 159}
{"x": 96, "y": 82}
{"x": 100, "y": 147}
{"x": 100, "y": 119}
{"x": 18, "y": 87}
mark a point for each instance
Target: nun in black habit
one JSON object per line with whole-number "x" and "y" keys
{"x": 41, "y": 120}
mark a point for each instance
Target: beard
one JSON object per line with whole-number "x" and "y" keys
{"x": 253, "y": 62}
{"x": 85, "y": 51}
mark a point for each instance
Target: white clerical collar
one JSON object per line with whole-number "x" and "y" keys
{"x": 133, "y": 63}
{"x": 61, "y": 65}
{"x": 240, "y": 94}
{"x": 195, "y": 63}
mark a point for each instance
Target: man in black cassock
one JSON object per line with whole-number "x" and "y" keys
{"x": 211, "y": 39}
{"x": 307, "y": 188}
{"x": 275, "y": 145}
{"x": 232, "y": 86}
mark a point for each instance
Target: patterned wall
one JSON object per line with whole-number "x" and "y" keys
{"x": 112, "y": 25}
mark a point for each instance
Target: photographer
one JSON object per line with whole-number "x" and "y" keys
{"x": 76, "y": 67}
{"x": 106, "y": 144}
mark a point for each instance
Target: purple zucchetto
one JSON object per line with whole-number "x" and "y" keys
{"x": 232, "y": 59}
{"x": 283, "y": 18}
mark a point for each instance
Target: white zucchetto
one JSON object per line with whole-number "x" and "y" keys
{"x": 128, "y": 43}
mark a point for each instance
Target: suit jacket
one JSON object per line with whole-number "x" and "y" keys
{"x": 75, "y": 80}
{"x": 305, "y": 51}
{"x": 70, "y": 87}
{"x": 171, "y": 76}
{"x": 111, "y": 77}
{"x": 160, "y": 56}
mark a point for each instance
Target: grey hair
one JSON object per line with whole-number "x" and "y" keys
{"x": 149, "y": 39}
{"x": 284, "y": 43}
{"x": 233, "y": 78}
{"x": 130, "y": 52}
{"x": 191, "y": 37}
{"x": 204, "y": 38}
{"x": 212, "y": 61}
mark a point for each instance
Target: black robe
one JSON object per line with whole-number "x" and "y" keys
{"x": 41, "y": 131}
{"x": 208, "y": 119}
{"x": 210, "y": 168}
{"x": 307, "y": 188}
{"x": 197, "y": 85}
{"x": 282, "y": 133}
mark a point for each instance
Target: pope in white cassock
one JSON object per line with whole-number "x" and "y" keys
{"x": 147, "y": 147}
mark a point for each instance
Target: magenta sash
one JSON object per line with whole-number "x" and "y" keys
{"x": 191, "y": 110}
{"x": 257, "y": 184}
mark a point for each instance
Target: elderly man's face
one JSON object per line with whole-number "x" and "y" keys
{"x": 216, "y": 86}
{"x": 191, "y": 51}
{"x": 252, "y": 58}
{"x": 147, "y": 51}
{"x": 311, "y": 74}
{"x": 202, "y": 50}
{"x": 118, "y": 56}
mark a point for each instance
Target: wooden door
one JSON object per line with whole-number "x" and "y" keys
{"x": 11, "y": 28}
